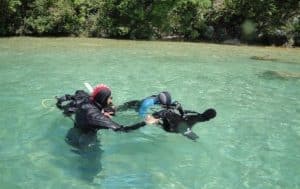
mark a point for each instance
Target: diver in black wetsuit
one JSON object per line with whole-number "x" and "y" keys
{"x": 90, "y": 117}
{"x": 172, "y": 117}
{"x": 92, "y": 114}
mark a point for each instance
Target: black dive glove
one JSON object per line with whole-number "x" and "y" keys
{"x": 176, "y": 105}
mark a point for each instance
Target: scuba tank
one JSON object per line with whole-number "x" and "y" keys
{"x": 70, "y": 103}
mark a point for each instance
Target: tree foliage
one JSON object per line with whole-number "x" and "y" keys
{"x": 268, "y": 18}
{"x": 10, "y": 17}
{"x": 266, "y": 21}
{"x": 187, "y": 19}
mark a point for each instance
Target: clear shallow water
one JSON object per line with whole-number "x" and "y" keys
{"x": 252, "y": 143}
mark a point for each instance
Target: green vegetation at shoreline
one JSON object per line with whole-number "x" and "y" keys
{"x": 268, "y": 22}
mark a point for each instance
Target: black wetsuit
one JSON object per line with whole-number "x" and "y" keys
{"x": 135, "y": 105}
{"x": 173, "y": 118}
{"x": 89, "y": 118}
{"x": 172, "y": 121}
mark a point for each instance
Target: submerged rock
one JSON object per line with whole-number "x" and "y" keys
{"x": 265, "y": 58}
{"x": 270, "y": 74}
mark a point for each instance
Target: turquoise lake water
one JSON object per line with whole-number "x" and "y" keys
{"x": 253, "y": 142}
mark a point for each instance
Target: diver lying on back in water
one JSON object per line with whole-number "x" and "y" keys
{"x": 172, "y": 117}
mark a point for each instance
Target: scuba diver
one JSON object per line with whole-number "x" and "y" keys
{"x": 142, "y": 106}
{"x": 172, "y": 117}
{"x": 92, "y": 113}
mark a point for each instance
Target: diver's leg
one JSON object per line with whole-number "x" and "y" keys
{"x": 79, "y": 139}
{"x": 72, "y": 137}
{"x": 134, "y": 104}
{"x": 192, "y": 119}
{"x": 88, "y": 140}
{"x": 174, "y": 123}
{"x": 190, "y": 134}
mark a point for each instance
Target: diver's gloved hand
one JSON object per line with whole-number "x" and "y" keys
{"x": 110, "y": 110}
{"x": 160, "y": 114}
{"x": 177, "y": 106}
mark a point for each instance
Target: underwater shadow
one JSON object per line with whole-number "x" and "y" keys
{"x": 268, "y": 58}
{"x": 264, "y": 58}
{"x": 282, "y": 75}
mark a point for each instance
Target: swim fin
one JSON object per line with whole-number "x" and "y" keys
{"x": 190, "y": 134}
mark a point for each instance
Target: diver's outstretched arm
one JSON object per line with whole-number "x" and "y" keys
{"x": 193, "y": 117}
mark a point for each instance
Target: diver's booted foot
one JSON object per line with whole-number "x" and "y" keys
{"x": 209, "y": 114}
